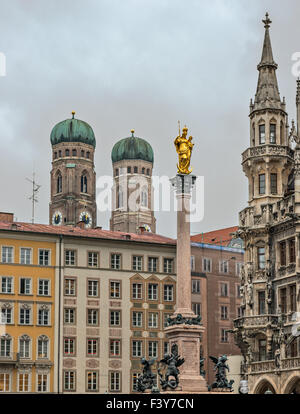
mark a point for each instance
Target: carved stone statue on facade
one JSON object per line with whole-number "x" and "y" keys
{"x": 220, "y": 368}
{"x": 171, "y": 362}
{"x": 146, "y": 381}
{"x": 250, "y": 294}
{"x": 269, "y": 292}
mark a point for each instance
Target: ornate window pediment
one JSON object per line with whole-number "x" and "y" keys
{"x": 6, "y": 306}
{"x": 25, "y": 338}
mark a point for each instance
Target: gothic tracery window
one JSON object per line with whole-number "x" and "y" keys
{"x": 83, "y": 184}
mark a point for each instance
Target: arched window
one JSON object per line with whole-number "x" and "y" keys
{"x": 74, "y": 152}
{"x": 82, "y": 153}
{"x": 83, "y": 184}
{"x": 24, "y": 346}
{"x": 5, "y": 345}
{"x": 144, "y": 198}
{"x": 143, "y": 170}
{"x": 116, "y": 172}
{"x": 43, "y": 347}
{"x": 59, "y": 153}
{"x": 67, "y": 152}
{"x": 88, "y": 154}
{"x": 120, "y": 198}
{"x": 55, "y": 155}
{"x": 59, "y": 183}
{"x": 148, "y": 171}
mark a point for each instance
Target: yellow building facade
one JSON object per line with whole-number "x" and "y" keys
{"x": 27, "y": 283}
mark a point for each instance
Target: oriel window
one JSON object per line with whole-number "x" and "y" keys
{"x": 272, "y": 133}
{"x": 273, "y": 178}
{"x": 262, "y": 183}
{"x": 262, "y": 134}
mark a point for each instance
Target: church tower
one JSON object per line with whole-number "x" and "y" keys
{"x": 132, "y": 193}
{"x": 73, "y": 178}
{"x": 268, "y": 162}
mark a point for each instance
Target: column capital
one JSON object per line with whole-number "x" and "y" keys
{"x": 183, "y": 184}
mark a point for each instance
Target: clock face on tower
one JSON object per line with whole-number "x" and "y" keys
{"x": 86, "y": 218}
{"x": 57, "y": 218}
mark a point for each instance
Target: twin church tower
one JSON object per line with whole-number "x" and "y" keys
{"x": 73, "y": 179}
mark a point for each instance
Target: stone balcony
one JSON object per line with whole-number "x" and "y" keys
{"x": 267, "y": 150}
{"x": 256, "y": 321}
{"x": 259, "y": 367}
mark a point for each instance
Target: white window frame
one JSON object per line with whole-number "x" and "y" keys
{"x": 137, "y": 350}
{"x": 152, "y": 290}
{"x": 11, "y": 280}
{"x": 27, "y": 291}
{"x": 29, "y": 381}
{"x": 115, "y": 318}
{"x": 6, "y": 381}
{"x": 153, "y": 320}
{"x": 25, "y": 353}
{"x": 206, "y": 264}
{"x": 192, "y": 263}
{"x": 224, "y": 266}
{"x": 41, "y": 317}
{"x": 42, "y": 262}
{"x": 26, "y": 250}
{"x": 41, "y": 283}
{"x": 115, "y": 261}
{"x": 25, "y": 316}
{"x": 137, "y": 263}
{"x": 43, "y": 375}
{"x": 12, "y": 256}
{"x": 93, "y": 259}
{"x": 168, "y": 293}
{"x": 136, "y": 319}
{"x": 3, "y": 315}
{"x": 196, "y": 286}
{"x": 70, "y": 257}
{"x": 137, "y": 294}
{"x": 92, "y": 292}
{"x": 115, "y": 381}
{"x": 168, "y": 265}
{"x": 91, "y": 317}
{"x": 94, "y": 384}
{"x": 45, "y": 344}
{"x": 152, "y": 350}
{"x": 71, "y": 384}
{"x": 115, "y": 289}
{"x": 67, "y": 316}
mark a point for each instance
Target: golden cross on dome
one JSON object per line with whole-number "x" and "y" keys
{"x": 73, "y": 113}
{"x": 267, "y": 21}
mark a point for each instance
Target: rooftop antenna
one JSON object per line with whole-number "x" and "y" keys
{"x": 33, "y": 197}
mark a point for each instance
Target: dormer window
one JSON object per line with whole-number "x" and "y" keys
{"x": 262, "y": 134}
{"x": 272, "y": 133}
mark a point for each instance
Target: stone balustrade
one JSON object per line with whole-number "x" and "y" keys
{"x": 257, "y": 320}
{"x": 267, "y": 150}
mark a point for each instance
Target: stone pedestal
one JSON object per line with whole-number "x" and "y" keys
{"x": 186, "y": 336}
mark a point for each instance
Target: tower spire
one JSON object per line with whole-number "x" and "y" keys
{"x": 267, "y": 93}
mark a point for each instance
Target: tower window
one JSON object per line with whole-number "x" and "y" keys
{"x": 74, "y": 153}
{"x": 83, "y": 188}
{"x": 143, "y": 170}
{"x": 59, "y": 184}
{"x": 262, "y": 183}
{"x": 272, "y": 133}
{"x": 82, "y": 153}
{"x": 55, "y": 155}
{"x": 128, "y": 170}
{"x": 273, "y": 183}
{"x": 116, "y": 172}
{"x": 120, "y": 200}
{"x": 148, "y": 171}
{"x": 59, "y": 153}
{"x": 135, "y": 170}
{"x": 262, "y": 134}
{"x": 144, "y": 198}
{"x": 67, "y": 152}
{"x": 88, "y": 154}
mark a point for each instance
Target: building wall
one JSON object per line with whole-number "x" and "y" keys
{"x": 33, "y": 365}
{"x": 215, "y": 345}
{"x": 105, "y": 364}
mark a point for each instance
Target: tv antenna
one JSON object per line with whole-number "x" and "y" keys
{"x": 33, "y": 197}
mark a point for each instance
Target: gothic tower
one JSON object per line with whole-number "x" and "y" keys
{"x": 73, "y": 178}
{"x": 132, "y": 193}
{"x": 268, "y": 162}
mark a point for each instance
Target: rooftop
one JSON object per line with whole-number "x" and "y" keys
{"x": 220, "y": 237}
{"x": 97, "y": 233}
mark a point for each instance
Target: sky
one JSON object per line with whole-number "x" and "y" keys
{"x": 141, "y": 64}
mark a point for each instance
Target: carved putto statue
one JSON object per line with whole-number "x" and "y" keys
{"x": 184, "y": 149}
{"x": 146, "y": 381}
{"x": 220, "y": 368}
{"x": 172, "y": 362}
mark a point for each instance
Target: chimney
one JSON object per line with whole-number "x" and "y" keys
{"x": 6, "y": 217}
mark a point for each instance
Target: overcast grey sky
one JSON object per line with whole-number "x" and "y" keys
{"x": 141, "y": 64}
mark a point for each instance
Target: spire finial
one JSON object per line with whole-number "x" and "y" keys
{"x": 132, "y": 132}
{"x": 267, "y": 21}
{"x": 73, "y": 113}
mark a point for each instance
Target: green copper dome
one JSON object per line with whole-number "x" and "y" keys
{"x": 73, "y": 130}
{"x": 132, "y": 148}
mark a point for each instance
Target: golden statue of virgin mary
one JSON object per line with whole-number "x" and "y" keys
{"x": 184, "y": 149}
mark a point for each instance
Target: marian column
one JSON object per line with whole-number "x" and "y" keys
{"x": 185, "y": 328}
